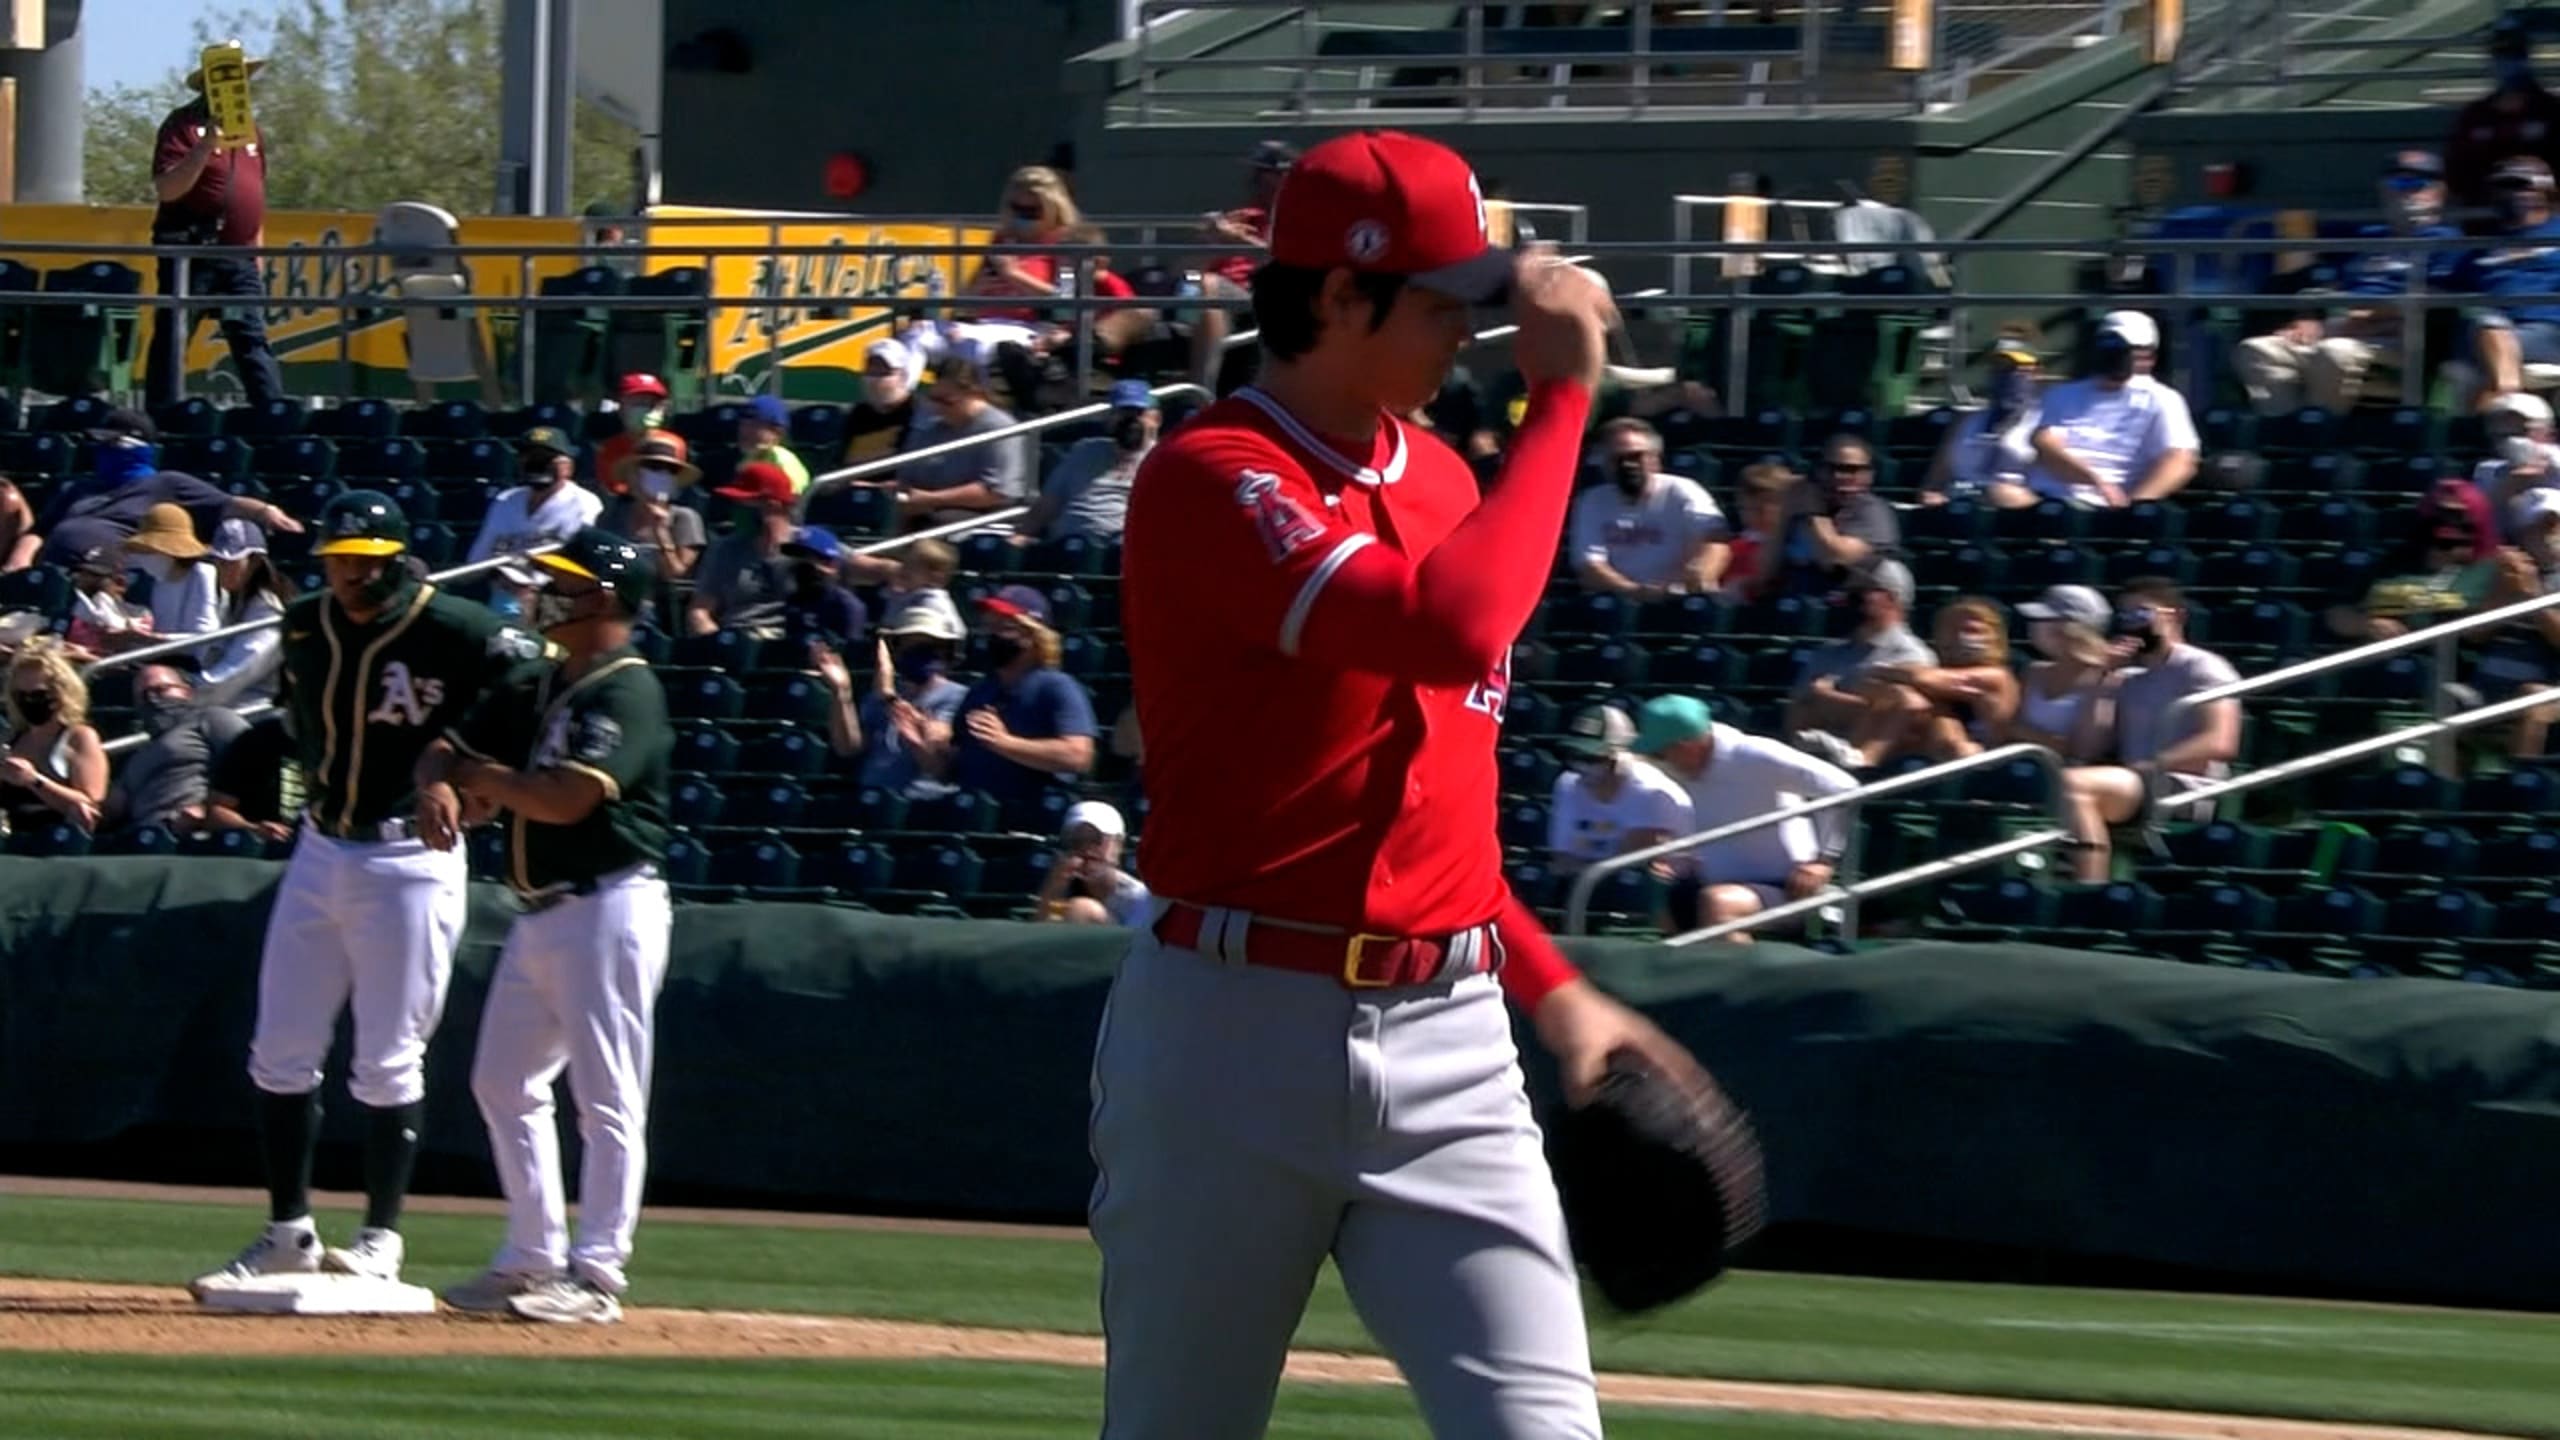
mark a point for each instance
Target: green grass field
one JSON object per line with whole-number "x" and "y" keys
{"x": 2450, "y": 1369}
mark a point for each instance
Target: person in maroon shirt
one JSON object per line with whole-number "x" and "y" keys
{"x": 2516, "y": 117}
{"x": 1232, "y": 275}
{"x": 210, "y": 196}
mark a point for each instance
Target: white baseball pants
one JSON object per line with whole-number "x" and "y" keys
{"x": 371, "y": 923}
{"x": 1249, "y": 1122}
{"x": 575, "y": 988}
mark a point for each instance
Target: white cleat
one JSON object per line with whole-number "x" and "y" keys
{"x": 564, "y": 1300}
{"x": 491, "y": 1291}
{"x": 373, "y": 1255}
{"x": 288, "y": 1247}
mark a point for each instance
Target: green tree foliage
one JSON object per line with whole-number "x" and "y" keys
{"x": 368, "y": 102}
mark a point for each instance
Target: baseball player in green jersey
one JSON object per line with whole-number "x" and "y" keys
{"x": 579, "y": 764}
{"x": 376, "y": 666}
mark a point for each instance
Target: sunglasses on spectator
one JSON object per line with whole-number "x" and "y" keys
{"x": 1852, "y": 467}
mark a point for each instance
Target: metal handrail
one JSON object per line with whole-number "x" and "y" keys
{"x": 2437, "y": 633}
{"x": 1868, "y": 889}
{"x": 1578, "y": 899}
{"x": 885, "y": 463}
{"x": 2441, "y": 727}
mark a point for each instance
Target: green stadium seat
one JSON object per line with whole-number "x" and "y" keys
{"x": 362, "y": 418}
{"x": 2011, "y": 902}
{"x": 2172, "y": 562}
{"x": 695, "y": 801}
{"x": 265, "y": 420}
{"x": 446, "y": 420}
{"x": 761, "y": 862}
{"x": 2349, "y": 910}
{"x": 706, "y": 749}
{"x": 313, "y": 457}
{"x": 796, "y": 754}
{"x": 477, "y": 458}
{"x": 91, "y": 347}
{"x": 42, "y": 841}
{"x": 2118, "y": 907}
{"x": 2451, "y": 913}
{"x": 39, "y": 457}
{"x": 40, "y": 588}
{"x": 392, "y": 458}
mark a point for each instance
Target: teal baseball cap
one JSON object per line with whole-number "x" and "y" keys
{"x": 1666, "y": 720}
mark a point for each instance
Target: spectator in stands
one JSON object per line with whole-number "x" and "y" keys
{"x": 56, "y": 768}
{"x": 2528, "y": 457}
{"x": 1009, "y": 339}
{"x": 2066, "y": 700}
{"x": 2448, "y": 573}
{"x": 1850, "y": 691}
{"x": 186, "y": 594}
{"x": 1987, "y": 454}
{"x": 1230, "y": 277}
{"x": 1607, "y": 802}
{"x": 1732, "y": 776}
{"x": 745, "y": 576}
{"x": 125, "y": 482}
{"x": 1086, "y": 495}
{"x": 819, "y": 608}
{"x": 1839, "y": 524}
{"x": 2117, "y": 436}
{"x": 1646, "y": 534}
{"x": 880, "y": 420}
{"x": 1950, "y": 709}
{"x": 549, "y": 507}
{"x": 19, "y": 540}
{"x": 987, "y": 476}
{"x": 2507, "y": 338}
{"x": 1762, "y": 499}
{"x": 2525, "y": 655}
{"x": 2516, "y": 117}
{"x": 644, "y": 510}
{"x": 922, "y": 581}
{"x": 2324, "y": 362}
{"x": 1085, "y": 884}
{"x": 2161, "y": 749}
{"x": 210, "y": 195}
{"x": 102, "y": 621}
{"x": 640, "y": 403}
{"x": 764, "y": 433}
{"x": 911, "y": 705}
{"x": 165, "y": 782}
{"x": 1027, "y": 723}
{"x": 255, "y": 785}
{"x": 242, "y": 670}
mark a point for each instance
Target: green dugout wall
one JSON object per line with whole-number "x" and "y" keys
{"x": 2384, "y": 1138}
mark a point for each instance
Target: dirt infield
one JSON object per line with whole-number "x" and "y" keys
{"x": 47, "y": 1315}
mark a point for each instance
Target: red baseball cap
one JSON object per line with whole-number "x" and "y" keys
{"x": 1383, "y": 202}
{"x": 759, "y": 482}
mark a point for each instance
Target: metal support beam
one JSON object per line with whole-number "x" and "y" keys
{"x": 538, "y": 98}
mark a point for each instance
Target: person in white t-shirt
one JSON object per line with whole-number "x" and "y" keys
{"x": 550, "y": 505}
{"x": 1732, "y": 776}
{"x": 1646, "y": 534}
{"x": 2118, "y": 436}
{"x": 2528, "y": 463}
{"x": 1987, "y": 454}
{"x": 1607, "y": 802}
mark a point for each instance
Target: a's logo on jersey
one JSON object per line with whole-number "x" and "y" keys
{"x": 598, "y": 737}
{"x": 1367, "y": 240}
{"x": 406, "y": 700}
{"x": 1283, "y": 523}
{"x": 351, "y": 522}
{"x": 514, "y": 644}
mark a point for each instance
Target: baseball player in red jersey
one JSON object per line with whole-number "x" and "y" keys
{"x": 1306, "y": 1053}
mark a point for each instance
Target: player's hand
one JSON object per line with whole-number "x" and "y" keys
{"x": 439, "y": 816}
{"x": 1807, "y": 879}
{"x": 1582, "y": 1028}
{"x": 1564, "y": 313}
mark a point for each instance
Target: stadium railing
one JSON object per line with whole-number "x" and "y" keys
{"x": 1843, "y": 896}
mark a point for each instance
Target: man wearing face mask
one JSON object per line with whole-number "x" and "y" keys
{"x": 2161, "y": 750}
{"x": 2516, "y": 117}
{"x": 186, "y": 592}
{"x": 549, "y": 506}
{"x": 640, "y": 402}
{"x": 125, "y": 482}
{"x": 580, "y": 762}
{"x": 645, "y": 511}
{"x": 819, "y": 609}
{"x": 1645, "y": 534}
{"x": 2523, "y": 260}
{"x": 910, "y": 705}
{"x": 1607, "y": 802}
{"x": 167, "y": 780}
{"x": 1026, "y": 724}
{"x": 2117, "y": 436}
{"x": 2324, "y": 362}
{"x": 1087, "y": 494}
{"x": 745, "y": 576}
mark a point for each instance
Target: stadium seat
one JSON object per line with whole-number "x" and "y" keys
{"x": 1706, "y": 665}
{"x": 2273, "y": 624}
{"x": 1599, "y": 615}
{"x": 2524, "y": 792}
{"x": 2172, "y": 562}
{"x": 1613, "y": 663}
{"x": 2327, "y": 910}
{"x": 363, "y": 418}
{"x": 774, "y": 803}
{"x": 765, "y": 862}
{"x": 796, "y": 699}
{"x": 2406, "y": 475}
{"x": 2452, "y": 913}
{"x": 2437, "y": 850}
{"x": 2045, "y": 566}
{"x": 40, "y": 588}
{"x": 2234, "y": 522}
{"x": 947, "y": 868}
{"x": 2119, "y": 907}
{"x": 1958, "y": 522}
{"x": 1529, "y": 770}
{"x": 2013, "y": 782}
{"x": 2225, "y": 427}
{"x": 688, "y": 864}
{"x": 478, "y": 458}
{"x": 2310, "y": 430}
{"x": 706, "y": 749}
{"x": 41, "y": 841}
{"x": 1684, "y": 615}
{"x": 446, "y": 420}
{"x": 2521, "y": 854}
{"x": 2047, "y": 522}
{"x": 855, "y": 869}
{"x": 2334, "y": 521}
{"x": 849, "y": 510}
{"x": 2228, "y": 908}
{"x": 435, "y": 545}
{"x": 193, "y": 416}
{"x": 2409, "y": 789}
{"x": 2007, "y": 903}
{"x": 796, "y": 753}
{"x": 2256, "y": 568}
{"x": 709, "y": 697}
{"x": 2218, "y": 845}
{"x": 1524, "y": 824}
{"x": 964, "y": 812}
{"x": 695, "y": 801}
{"x": 2405, "y": 430}
{"x": 141, "y": 840}
{"x": 2529, "y": 917}
{"x": 217, "y": 458}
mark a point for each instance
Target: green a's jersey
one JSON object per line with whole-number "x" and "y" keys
{"x": 610, "y": 724}
{"x": 364, "y": 700}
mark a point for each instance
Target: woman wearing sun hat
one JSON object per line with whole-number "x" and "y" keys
{"x": 644, "y": 509}
{"x": 186, "y": 596}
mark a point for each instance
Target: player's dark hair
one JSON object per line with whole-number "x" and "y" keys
{"x": 1284, "y": 305}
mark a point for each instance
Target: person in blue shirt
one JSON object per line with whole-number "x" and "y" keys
{"x": 1027, "y": 723}
{"x": 2508, "y": 337}
{"x": 2325, "y": 362}
{"x": 818, "y": 607}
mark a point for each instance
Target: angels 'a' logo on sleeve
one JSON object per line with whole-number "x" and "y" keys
{"x": 1286, "y": 527}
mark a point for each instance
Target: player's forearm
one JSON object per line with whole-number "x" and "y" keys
{"x": 435, "y": 765}
{"x": 544, "y": 797}
{"x": 1532, "y": 967}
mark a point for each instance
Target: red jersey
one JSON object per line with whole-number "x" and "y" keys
{"x": 232, "y": 192}
{"x": 1293, "y": 770}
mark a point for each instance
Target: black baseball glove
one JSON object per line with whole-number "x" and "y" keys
{"x": 1661, "y": 1184}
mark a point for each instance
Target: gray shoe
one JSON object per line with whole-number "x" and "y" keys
{"x": 566, "y": 1300}
{"x": 372, "y": 1255}
{"x": 490, "y": 1291}
{"x": 284, "y": 1248}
